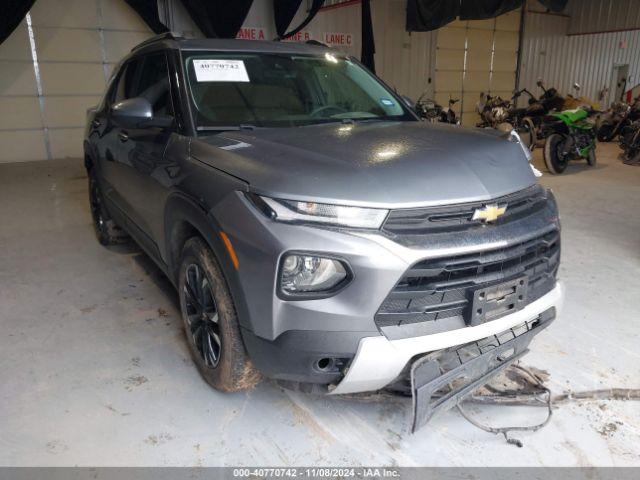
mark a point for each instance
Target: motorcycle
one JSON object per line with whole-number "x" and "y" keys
{"x": 614, "y": 120}
{"x": 503, "y": 115}
{"x": 537, "y": 111}
{"x": 571, "y": 136}
{"x": 550, "y": 98}
{"x": 493, "y": 112}
{"x": 572, "y": 102}
{"x": 630, "y": 143}
{"x": 527, "y": 120}
{"x": 431, "y": 111}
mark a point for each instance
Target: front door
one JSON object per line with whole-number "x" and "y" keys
{"x": 148, "y": 181}
{"x": 138, "y": 157}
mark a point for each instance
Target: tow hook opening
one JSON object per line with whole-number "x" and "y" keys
{"x": 330, "y": 364}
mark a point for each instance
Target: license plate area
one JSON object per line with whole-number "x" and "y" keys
{"x": 495, "y": 301}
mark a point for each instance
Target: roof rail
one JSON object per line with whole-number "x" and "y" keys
{"x": 157, "y": 38}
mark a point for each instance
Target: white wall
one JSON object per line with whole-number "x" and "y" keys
{"x": 404, "y": 60}
{"x": 561, "y": 59}
{"x": 77, "y": 43}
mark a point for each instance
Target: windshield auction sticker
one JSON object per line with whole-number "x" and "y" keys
{"x": 220, "y": 71}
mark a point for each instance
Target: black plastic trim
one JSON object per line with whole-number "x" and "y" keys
{"x": 427, "y": 378}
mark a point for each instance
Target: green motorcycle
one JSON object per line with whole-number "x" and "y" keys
{"x": 570, "y": 135}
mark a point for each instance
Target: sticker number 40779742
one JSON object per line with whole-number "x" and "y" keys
{"x": 220, "y": 71}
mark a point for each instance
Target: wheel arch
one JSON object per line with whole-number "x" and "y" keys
{"x": 185, "y": 219}
{"x": 90, "y": 158}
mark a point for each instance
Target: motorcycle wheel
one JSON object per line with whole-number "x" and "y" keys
{"x": 552, "y": 154}
{"x": 528, "y": 133}
{"x": 591, "y": 157}
{"x": 605, "y": 132}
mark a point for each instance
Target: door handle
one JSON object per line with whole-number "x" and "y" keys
{"x": 96, "y": 123}
{"x": 123, "y": 137}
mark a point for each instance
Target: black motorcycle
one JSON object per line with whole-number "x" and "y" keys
{"x": 526, "y": 120}
{"x": 630, "y": 143}
{"x": 537, "y": 111}
{"x": 614, "y": 120}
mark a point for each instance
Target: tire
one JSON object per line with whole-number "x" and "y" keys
{"x": 530, "y": 129}
{"x": 605, "y": 132}
{"x": 107, "y": 232}
{"x": 591, "y": 157}
{"x": 552, "y": 160}
{"x": 211, "y": 322}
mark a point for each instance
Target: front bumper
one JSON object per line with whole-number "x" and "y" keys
{"x": 379, "y": 361}
{"x": 285, "y": 339}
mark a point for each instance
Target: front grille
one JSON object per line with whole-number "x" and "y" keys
{"x": 459, "y": 217}
{"x": 442, "y": 288}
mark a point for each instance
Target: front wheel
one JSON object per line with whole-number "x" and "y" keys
{"x": 606, "y": 132}
{"x": 211, "y": 322}
{"x": 554, "y": 158}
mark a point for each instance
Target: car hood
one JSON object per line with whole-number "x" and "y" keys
{"x": 386, "y": 164}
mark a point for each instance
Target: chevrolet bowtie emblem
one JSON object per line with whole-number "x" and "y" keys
{"x": 489, "y": 213}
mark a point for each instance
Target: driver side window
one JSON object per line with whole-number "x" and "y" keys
{"x": 153, "y": 83}
{"x": 123, "y": 87}
{"x": 146, "y": 77}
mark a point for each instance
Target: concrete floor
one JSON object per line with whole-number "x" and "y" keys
{"x": 95, "y": 371}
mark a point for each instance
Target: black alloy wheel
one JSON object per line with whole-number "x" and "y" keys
{"x": 202, "y": 315}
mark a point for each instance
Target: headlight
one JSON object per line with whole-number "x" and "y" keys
{"x": 293, "y": 211}
{"x": 309, "y": 274}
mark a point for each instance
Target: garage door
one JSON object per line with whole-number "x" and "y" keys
{"x": 476, "y": 56}
{"x": 73, "y": 44}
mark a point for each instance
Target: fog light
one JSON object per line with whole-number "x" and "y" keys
{"x": 309, "y": 274}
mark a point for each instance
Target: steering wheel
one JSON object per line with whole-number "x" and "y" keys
{"x": 327, "y": 108}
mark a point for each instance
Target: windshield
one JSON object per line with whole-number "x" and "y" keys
{"x": 276, "y": 90}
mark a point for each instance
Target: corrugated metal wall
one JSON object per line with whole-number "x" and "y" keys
{"x": 404, "y": 60}
{"x": 561, "y": 59}
{"x": 588, "y": 16}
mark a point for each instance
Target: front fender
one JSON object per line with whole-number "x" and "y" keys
{"x": 184, "y": 217}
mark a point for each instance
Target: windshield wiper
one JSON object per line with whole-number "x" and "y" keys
{"x": 222, "y": 128}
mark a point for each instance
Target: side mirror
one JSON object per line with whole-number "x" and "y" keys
{"x": 137, "y": 112}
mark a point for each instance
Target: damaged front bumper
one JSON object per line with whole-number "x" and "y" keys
{"x": 440, "y": 380}
{"x": 379, "y": 361}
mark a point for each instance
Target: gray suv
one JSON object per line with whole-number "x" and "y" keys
{"x": 318, "y": 233}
